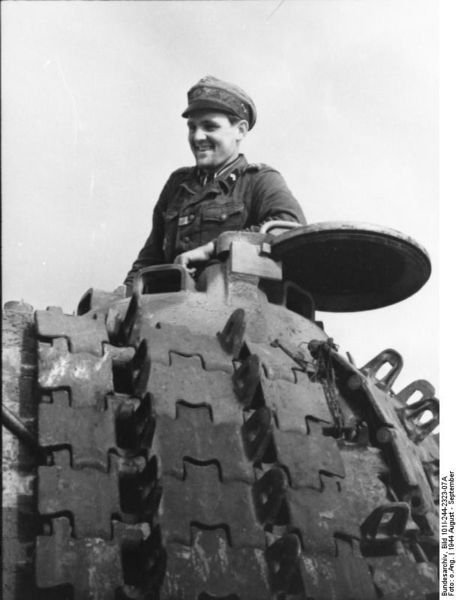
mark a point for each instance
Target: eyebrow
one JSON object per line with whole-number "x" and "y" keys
{"x": 204, "y": 122}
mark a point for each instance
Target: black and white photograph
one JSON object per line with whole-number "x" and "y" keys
{"x": 222, "y": 256}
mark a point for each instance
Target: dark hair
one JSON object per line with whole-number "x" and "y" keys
{"x": 233, "y": 119}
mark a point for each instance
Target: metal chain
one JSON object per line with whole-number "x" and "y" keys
{"x": 322, "y": 352}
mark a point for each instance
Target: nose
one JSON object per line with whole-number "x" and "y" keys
{"x": 198, "y": 134}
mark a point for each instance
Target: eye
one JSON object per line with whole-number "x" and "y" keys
{"x": 210, "y": 126}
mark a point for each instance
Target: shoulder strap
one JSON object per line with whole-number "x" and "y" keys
{"x": 256, "y": 167}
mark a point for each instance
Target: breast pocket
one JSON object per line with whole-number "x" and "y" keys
{"x": 216, "y": 219}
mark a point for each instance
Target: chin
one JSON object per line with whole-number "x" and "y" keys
{"x": 205, "y": 164}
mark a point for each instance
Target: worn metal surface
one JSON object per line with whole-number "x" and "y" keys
{"x": 292, "y": 403}
{"x": 164, "y": 338}
{"x": 92, "y": 566}
{"x": 317, "y": 454}
{"x": 401, "y": 578}
{"x": 88, "y": 432}
{"x": 184, "y": 380}
{"x": 204, "y": 500}
{"x": 365, "y": 473}
{"x": 193, "y": 437}
{"x": 84, "y": 333}
{"x": 345, "y": 575}
{"x": 275, "y": 362}
{"x": 211, "y": 566}
{"x": 320, "y": 515}
{"x": 87, "y": 377}
{"x": 90, "y": 495}
{"x": 352, "y": 266}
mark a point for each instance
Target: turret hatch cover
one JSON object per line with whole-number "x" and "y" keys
{"x": 349, "y": 267}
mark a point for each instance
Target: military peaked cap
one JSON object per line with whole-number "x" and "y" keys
{"x": 212, "y": 93}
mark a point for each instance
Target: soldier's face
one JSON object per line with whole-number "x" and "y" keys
{"x": 213, "y": 140}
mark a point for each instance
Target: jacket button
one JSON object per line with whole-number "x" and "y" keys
{"x": 223, "y": 217}
{"x": 191, "y": 217}
{"x": 186, "y": 239}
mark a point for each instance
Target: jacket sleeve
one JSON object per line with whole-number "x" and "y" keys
{"x": 152, "y": 251}
{"x": 272, "y": 200}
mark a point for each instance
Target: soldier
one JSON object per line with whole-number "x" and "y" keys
{"x": 223, "y": 192}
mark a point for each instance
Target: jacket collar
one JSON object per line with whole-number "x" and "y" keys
{"x": 228, "y": 170}
{"x": 196, "y": 180}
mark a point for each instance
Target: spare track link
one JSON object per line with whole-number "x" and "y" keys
{"x": 198, "y": 483}
{"x": 245, "y": 494}
{"x": 243, "y": 484}
{"x": 79, "y": 491}
{"x": 319, "y": 503}
{"x": 313, "y": 535}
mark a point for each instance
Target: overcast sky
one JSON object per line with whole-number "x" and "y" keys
{"x": 92, "y": 94}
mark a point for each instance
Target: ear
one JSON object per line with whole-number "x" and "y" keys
{"x": 243, "y": 128}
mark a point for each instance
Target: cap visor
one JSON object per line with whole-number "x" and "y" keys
{"x": 207, "y": 105}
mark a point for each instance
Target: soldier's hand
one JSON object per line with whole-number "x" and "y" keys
{"x": 200, "y": 254}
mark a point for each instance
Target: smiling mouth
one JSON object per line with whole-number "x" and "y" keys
{"x": 199, "y": 149}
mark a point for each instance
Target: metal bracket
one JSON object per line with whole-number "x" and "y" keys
{"x": 389, "y": 356}
{"x": 247, "y": 378}
{"x": 232, "y": 336}
{"x": 269, "y": 494}
{"x": 378, "y": 529}
{"x": 282, "y": 557}
{"x": 257, "y": 433}
{"x": 411, "y": 414}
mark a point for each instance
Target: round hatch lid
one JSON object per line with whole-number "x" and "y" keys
{"x": 349, "y": 267}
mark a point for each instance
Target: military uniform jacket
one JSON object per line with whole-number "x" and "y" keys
{"x": 189, "y": 214}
